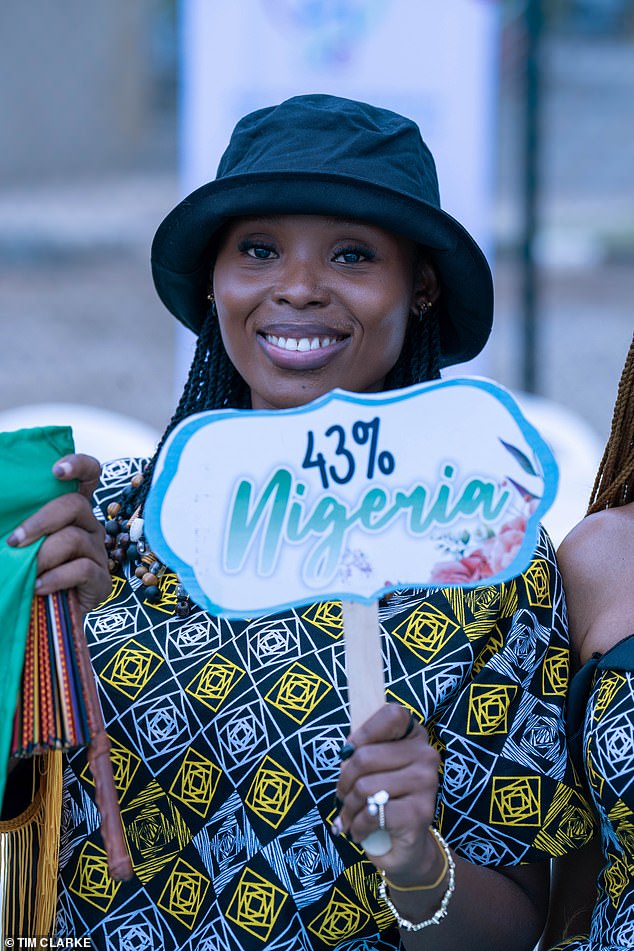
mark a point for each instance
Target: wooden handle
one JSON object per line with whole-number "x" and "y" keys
{"x": 364, "y": 663}
{"x": 366, "y": 683}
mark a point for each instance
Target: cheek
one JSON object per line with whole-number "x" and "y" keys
{"x": 233, "y": 338}
{"x": 234, "y": 303}
{"x": 241, "y": 346}
{"x": 231, "y": 290}
{"x": 388, "y": 334}
{"x": 381, "y": 350}
{"x": 392, "y": 346}
{"x": 396, "y": 323}
{"x": 231, "y": 300}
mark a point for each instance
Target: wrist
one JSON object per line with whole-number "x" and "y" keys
{"x": 410, "y": 896}
{"x": 435, "y": 862}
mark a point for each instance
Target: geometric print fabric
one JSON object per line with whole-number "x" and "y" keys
{"x": 225, "y": 738}
{"x": 608, "y": 750}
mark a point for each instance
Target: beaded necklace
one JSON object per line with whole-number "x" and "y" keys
{"x": 126, "y": 545}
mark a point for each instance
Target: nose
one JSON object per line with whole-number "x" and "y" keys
{"x": 300, "y": 283}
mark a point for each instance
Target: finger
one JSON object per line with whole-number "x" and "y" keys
{"x": 86, "y": 469}
{"x": 417, "y": 775}
{"x": 70, "y": 543}
{"x": 70, "y": 509}
{"x": 92, "y": 584}
{"x": 374, "y": 767}
{"x": 380, "y": 759}
{"x": 390, "y": 739}
{"x": 392, "y": 721}
{"x": 406, "y": 819}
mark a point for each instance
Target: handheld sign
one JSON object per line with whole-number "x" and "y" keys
{"x": 351, "y": 497}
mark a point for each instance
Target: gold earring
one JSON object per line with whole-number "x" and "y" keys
{"x": 212, "y": 304}
{"x": 423, "y": 307}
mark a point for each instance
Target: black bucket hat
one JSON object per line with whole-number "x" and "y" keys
{"x": 324, "y": 155}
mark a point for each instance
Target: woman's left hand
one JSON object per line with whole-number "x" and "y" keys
{"x": 392, "y": 753}
{"x": 72, "y": 554}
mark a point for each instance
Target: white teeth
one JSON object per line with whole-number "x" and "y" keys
{"x": 302, "y": 344}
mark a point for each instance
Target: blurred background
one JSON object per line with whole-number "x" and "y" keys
{"x": 90, "y": 115}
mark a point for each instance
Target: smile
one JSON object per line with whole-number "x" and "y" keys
{"x": 301, "y": 344}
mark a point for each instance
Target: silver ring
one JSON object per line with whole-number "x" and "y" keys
{"x": 376, "y": 805}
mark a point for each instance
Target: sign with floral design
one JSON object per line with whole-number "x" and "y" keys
{"x": 350, "y": 497}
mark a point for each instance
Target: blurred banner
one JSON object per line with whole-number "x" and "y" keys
{"x": 434, "y": 62}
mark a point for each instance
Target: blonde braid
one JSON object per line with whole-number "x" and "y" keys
{"x": 614, "y": 483}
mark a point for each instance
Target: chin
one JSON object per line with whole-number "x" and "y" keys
{"x": 296, "y": 394}
{"x": 288, "y": 396}
{"x": 292, "y": 401}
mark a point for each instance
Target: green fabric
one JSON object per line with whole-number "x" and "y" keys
{"x": 26, "y": 484}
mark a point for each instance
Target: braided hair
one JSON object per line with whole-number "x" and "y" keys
{"x": 614, "y": 483}
{"x": 419, "y": 359}
{"x": 214, "y": 383}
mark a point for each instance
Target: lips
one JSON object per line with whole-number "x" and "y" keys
{"x": 302, "y": 350}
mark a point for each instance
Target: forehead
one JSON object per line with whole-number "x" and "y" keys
{"x": 303, "y": 220}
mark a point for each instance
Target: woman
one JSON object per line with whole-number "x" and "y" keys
{"x": 319, "y": 257}
{"x": 597, "y": 559}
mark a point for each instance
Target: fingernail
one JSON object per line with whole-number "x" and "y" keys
{"x": 337, "y": 826}
{"x": 61, "y": 468}
{"x": 38, "y": 583}
{"x": 16, "y": 537}
{"x": 346, "y": 751}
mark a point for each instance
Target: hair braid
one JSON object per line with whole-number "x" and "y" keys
{"x": 420, "y": 357}
{"x": 614, "y": 483}
{"x": 212, "y": 383}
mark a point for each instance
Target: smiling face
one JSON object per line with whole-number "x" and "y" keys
{"x": 308, "y": 303}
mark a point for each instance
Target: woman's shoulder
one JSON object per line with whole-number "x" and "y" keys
{"x": 597, "y": 565}
{"x": 601, "y": 525}
{"x": 598, "y": 546}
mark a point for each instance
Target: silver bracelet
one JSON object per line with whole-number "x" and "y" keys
{"x": 438, "y": 916}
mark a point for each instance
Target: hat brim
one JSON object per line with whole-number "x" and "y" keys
{"x": 183, "y": 244}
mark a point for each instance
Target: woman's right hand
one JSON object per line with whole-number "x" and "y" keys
{"x": 72, "y": 554}
{"x": 392, "y": 753}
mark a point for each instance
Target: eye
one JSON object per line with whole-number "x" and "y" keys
{"x": 353, "y": 255}
{"x": 257, "y": 249}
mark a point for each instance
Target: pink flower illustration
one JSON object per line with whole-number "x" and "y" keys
{"x": 492, "y": 556}
{"x": 469, "y": 568}
{"x": 501, "y": 549}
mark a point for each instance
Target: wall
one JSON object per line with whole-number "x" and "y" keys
{"x": 75, "y": 81}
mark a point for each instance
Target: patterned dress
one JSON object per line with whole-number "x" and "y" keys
{"x": 602, "y": 716}
{"x": 225, "y": 737}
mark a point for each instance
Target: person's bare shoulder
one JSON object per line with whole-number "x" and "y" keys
{"x": 597, "y": 564}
